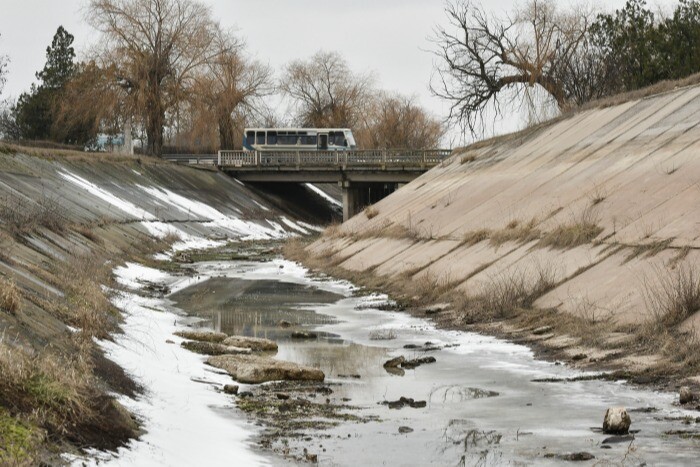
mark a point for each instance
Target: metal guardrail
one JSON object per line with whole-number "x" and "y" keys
{"x": 192, "y": 159}
{"x": 377, "y": 159}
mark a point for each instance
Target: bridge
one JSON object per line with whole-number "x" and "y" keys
{"x": 366, "y": 176}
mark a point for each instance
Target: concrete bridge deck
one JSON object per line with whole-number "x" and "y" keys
{"x": 366, "y": 176}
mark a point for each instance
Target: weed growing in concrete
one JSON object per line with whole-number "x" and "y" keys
{"x": 673, "y": 296}
{"x": 516, "y": 232}
{"x": 577, "y": 232}
{"x": 503, "y": 294}
{"x": 371, "y": 212}
{"x": 22, "y": 216}
{"x": 10, "y": 298}
{"x": 475, "y": 236}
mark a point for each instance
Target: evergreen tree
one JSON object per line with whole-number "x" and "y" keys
{"x": 34, "y": 109}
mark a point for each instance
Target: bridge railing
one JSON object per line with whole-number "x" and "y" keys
{"x": 341, "y": 159}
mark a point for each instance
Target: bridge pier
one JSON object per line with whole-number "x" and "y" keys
{"x": 358, "y": 195}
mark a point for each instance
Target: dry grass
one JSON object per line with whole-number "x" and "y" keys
{"x": 648, "y": 250}
{"x": 504, "y": 294}
{"x": 571, "y": 235}
{"x": 515, "y": 232}
{"x": 382, "y": 335}
{"x": 371, "y": 212}
{"x": 10, "y": 297}
{"x": 578, "y": 231}
{"x": 87, "y": 306}
{"x": 54, "y": 391}
{"x": 672, "y": 296}
{"x": 475, "y": 236}
{"x": 21, "y": 216}
{"x": 467, "y": 158}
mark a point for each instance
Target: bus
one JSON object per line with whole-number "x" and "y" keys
{"x": 298, "y": 139}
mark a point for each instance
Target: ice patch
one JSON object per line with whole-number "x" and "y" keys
{"x": 178, "y": 414}
{"x": 133, "y": 275}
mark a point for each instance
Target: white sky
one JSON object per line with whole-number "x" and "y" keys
{"x": 387, "y": 37}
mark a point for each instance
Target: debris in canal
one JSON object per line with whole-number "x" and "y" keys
{"x": 404, "y": 402}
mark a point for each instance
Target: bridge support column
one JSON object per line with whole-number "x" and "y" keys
{"x": 357, "y": 196}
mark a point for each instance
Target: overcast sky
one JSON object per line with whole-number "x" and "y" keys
{"x": 387, "y": 37}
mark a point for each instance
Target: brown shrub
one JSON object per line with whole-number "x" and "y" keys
{"x": 672, "y": 296}
{"x": 10, "y": 297}
{"x": 504, "y": 294}
{"x": 516, "y": 232}
{"x": 21, "y": 215}
{"x": 476, "y": 236}
{"x": 578, "y": 231}
{"x": 371, "y": 212}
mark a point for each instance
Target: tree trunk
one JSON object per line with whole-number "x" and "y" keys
{"x": 226, "y": 132}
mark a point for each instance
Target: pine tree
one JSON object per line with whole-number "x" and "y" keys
{"x": 34, "y": 109}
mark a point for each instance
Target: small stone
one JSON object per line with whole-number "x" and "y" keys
{"x": 686, "y": 395}
{"x": 577, "y": 456}
{"x": 231, "y": 389}
{"x": 304, "y": 335}
{"x": 284, "y": 324}
{"x": 405, "y": 429}
{"x": 394, "y": 362}
{"x": 618, "y": 439}
{"x": 169, "y": 341}
{"x": 617, "y": 421}
{"x": 282, "y": 396}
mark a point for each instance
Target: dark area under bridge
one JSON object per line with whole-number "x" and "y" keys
{"x": 365, "y": 176}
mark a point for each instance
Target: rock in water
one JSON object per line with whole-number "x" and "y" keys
{"x": 394, "y": 362}
{"x": 617, "y": 421}
{"x": 252, "y": 343}
{"x": 253, "y": 369}
{"x": 304, "y": 335}
{"x": 212, "y": 348}
{"x": 203, "y": 336}
{"x": 686, "y": 395}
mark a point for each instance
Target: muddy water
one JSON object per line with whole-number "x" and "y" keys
{"x": 482, "y": 405}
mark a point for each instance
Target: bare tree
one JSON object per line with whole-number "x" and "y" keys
{"x": 482, "y": 56}
{"x": 4, "y": 61}
{"x": 395, "y": 121}
{"x": 229, "y": 86}
{"x": 153, "y": 48}
{"x": 326, "y": 93}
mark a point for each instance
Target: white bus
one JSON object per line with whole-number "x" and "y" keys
{"x": 298, "y": 139}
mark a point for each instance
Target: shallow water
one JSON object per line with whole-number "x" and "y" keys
{"x": 482, "y": 406}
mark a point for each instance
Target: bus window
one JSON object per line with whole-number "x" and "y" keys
{"x": 250, "y": 138}
{"x": 308, "y": 140}
{"x": 260, "y": 139}
{"x": 337, "y": 138}
{"x": 271, "y": 137}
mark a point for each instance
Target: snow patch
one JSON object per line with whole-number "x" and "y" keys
{"x": 323, "y": 194}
